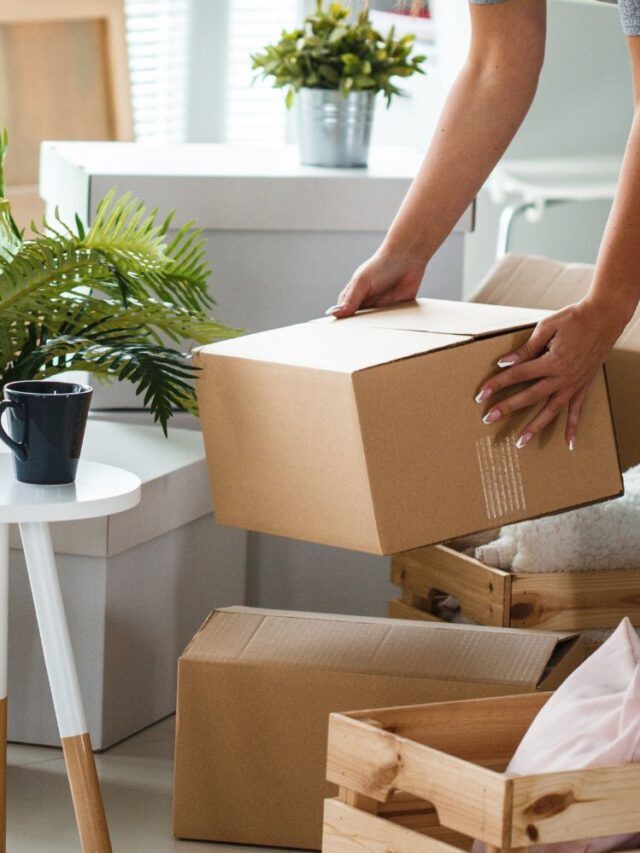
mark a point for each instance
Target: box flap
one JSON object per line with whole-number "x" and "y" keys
{"x": 533, "y": 281}
{"x": 441, "y": 316}
{"x": 375, "y": 646}
{"x": 336, "y": 346}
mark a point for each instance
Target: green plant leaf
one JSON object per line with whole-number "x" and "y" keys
{"x": 107, "y": 299}
{"x": 331, "y": 48}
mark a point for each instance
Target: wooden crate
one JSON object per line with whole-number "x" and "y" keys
{"x": 554, "y": 601}
{"x": 430, "y": 778}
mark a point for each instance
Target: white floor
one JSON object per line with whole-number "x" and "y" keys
{"x": 136, "y": 778}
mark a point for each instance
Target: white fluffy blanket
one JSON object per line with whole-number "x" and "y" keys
{"x": 600, "y": 536}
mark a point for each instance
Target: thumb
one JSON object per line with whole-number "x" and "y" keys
{"x": 351, "y": 299}
{"x": 532, "y": 348}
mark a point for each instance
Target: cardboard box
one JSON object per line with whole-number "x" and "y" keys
{"x": 537, "y": 282}
{"x": 255, "y": 689}
{"x": 364, "y": 433}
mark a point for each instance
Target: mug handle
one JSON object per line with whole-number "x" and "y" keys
{"x": 19, "y": 448}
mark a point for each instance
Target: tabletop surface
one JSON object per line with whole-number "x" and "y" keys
{"x": 208, "y": 160}
{"x": 98, "y": 490}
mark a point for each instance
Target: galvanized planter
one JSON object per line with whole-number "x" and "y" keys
{"x": 334, "y": 130}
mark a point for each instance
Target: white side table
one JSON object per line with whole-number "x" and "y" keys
{"x": 98, "y": 490}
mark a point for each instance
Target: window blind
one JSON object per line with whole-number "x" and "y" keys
{"x": 158, "y": 49}
{"x": 255, "y": 113}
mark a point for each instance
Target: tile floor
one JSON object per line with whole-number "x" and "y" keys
{"x": 136, "y": 777}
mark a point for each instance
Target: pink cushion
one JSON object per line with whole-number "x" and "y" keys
{"x": 592, "y": 720}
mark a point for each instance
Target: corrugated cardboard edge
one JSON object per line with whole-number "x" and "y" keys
{"x": 385, "y": 620}
{"x": 615, "y": 434}
{"x": 567, "y": 644}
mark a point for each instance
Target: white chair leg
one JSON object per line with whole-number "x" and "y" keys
{"x": 61, "y": 668}
{"x": 4, "y": 641}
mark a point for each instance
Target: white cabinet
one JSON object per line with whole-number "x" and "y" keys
{"x": 283, "y": 239}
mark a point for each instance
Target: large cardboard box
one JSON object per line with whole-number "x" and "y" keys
{"x": 364, "y": 433}
{"x": 537, "y": 282}
{"x": 256, "y": 687}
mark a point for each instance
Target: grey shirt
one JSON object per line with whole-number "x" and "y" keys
{"x": 629, "y": 14}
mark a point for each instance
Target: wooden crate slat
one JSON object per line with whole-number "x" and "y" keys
{"x": 554, "y": 601}
{"x": 590, "y": 803}
{"x": 563, "y": 601}
{"x": 483, "y": 592}
{"x": 478, "y": 730}
{"x": 371, "y": 761}
{"x": 414, "y": 600}
{"x": 348, "y": 830}
{"x": 400, "y": 610}
{"x": 427, "y": 796}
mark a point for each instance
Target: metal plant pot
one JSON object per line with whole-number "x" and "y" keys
{"x": 334, "y": 130}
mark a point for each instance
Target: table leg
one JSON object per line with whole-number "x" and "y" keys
{"x": 4, "y": 638}
{"x": 63, "y": 678}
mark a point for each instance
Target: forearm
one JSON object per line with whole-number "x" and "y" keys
{"x": 485, "y": 107}
{"x": 616, "y": 283}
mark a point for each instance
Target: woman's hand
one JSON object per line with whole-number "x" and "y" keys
{"x": 384, "y": 279}
{"x": 559, "y": 361}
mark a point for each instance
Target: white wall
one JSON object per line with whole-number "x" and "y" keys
{"x": 583, "y": 106}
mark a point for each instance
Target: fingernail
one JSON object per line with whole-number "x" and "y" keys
{"x": 492, "y": 416}
{"x": 332, "y": 309}
{"x": 524, "y": 439}
{"x": 508, "y": 361}
{"x": 484, "y": 394}
{"x": 572, "y": 443}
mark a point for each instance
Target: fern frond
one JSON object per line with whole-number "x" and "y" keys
{"x": 123, "y": 229}
{"x": 162, "y": 375}
{"x": 4, "y": 145}
{"x": 107, "y": 300}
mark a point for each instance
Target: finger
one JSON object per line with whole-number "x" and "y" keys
{"x": 526, "y": 372}
{"x": 573, "y": 416}
{"x": 351, "y": 298}
{"x": 529, "y": 397}
{"x": 533, "y": 347}
{"x": 545, "y": 416}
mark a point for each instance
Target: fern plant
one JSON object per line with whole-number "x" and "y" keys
{"x": 107, "y": 299}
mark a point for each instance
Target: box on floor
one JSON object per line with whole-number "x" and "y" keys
{"x": 537, "y": 282}
{"x": 134, "y": 585}
{"x": 255, "y": 688}
{"x": 364, "y": 433}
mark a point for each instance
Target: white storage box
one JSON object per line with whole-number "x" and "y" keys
{"x": 136, "y": 586}
{"x": 282, "y": 240}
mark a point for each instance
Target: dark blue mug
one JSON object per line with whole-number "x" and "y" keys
{"x": 47, "y": 420}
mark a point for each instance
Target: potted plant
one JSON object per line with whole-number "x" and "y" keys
{"x": 337, "y": 68}
{"x": 105, "y": 299}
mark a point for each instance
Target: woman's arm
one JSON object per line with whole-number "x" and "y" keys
{"x": 567, "y": 349}
{"x": 484, "y": 109}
